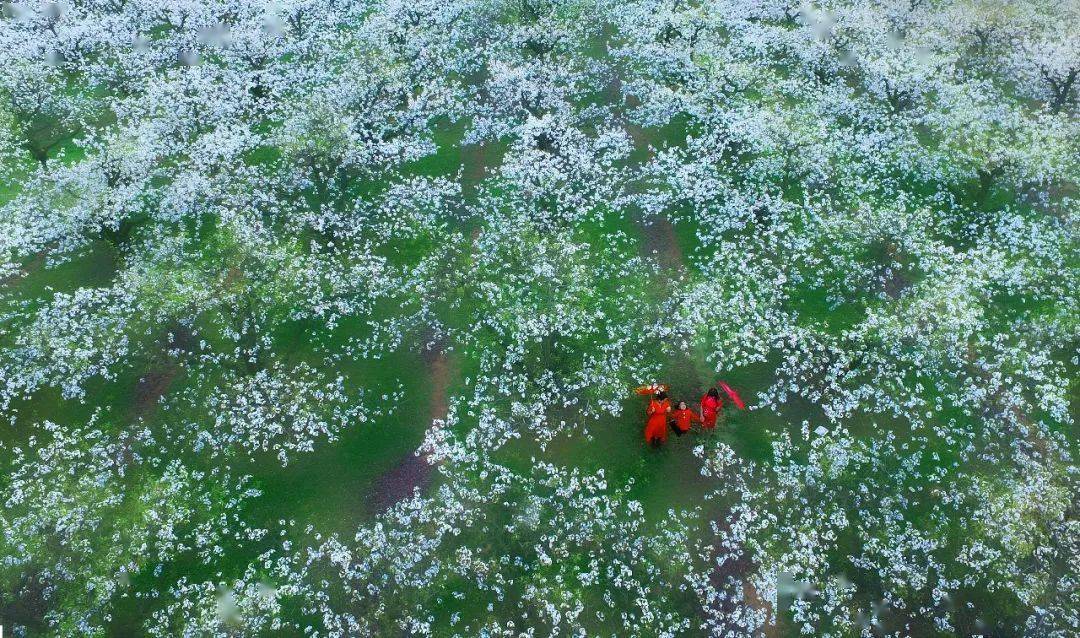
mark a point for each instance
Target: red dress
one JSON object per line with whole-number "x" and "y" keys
{"x": 683, "y": 419}
{"x": 656, "y": 425}
{"x": 710, "y": 405}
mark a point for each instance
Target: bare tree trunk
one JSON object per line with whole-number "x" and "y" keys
{"x": 1061, "y": 88}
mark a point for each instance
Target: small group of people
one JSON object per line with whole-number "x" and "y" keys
{"x": 660, "y": 415}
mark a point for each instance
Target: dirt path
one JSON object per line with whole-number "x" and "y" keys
{"x": 413, "y": 471}
{"x": 477, "y": 162}
{"x": 658, "y": 233}
{"x": 156, "y": 383}
{"x": 750, "y": 594}
{"x": 34, "y": 265}
{"x": 736, "y": 573}
{"x": 660, "y": 243}
{"x": 151, "y": 387}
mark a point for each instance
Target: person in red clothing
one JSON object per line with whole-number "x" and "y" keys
{"x": 656, "y": 422}
{"x": 711, "y": 404}
{"x": 683, "y": 418}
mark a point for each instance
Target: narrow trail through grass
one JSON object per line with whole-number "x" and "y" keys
{"x": 414, "y": 471}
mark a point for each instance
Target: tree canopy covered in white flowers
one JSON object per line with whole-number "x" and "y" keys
{"x": 321, "y": 318}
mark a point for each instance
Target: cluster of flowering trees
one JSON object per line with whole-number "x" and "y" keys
{"x": 224, "y": 225}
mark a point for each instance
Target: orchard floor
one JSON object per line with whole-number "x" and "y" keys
{"x": 347, "y": 482}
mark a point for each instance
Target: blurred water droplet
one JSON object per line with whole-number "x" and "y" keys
{"x": 188, "y": 57}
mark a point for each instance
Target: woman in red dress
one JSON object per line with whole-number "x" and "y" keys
{"x": 711, "y": 404}
{"x": 684, "y": 417}
{"x": 656, "y": 423}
